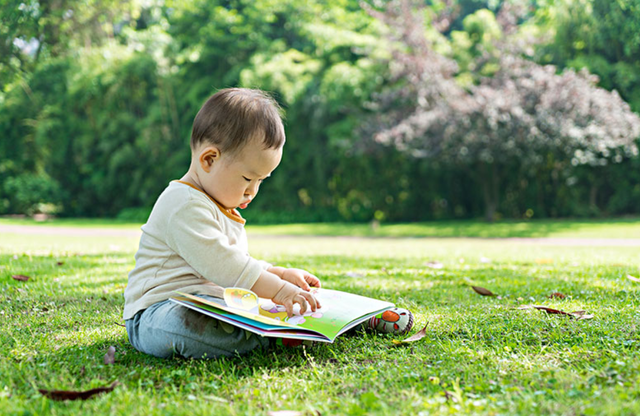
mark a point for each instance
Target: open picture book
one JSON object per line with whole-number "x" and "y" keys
{"x": 340, "y": 312}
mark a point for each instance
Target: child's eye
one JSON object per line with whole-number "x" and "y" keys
{"x": 246, "y": 179}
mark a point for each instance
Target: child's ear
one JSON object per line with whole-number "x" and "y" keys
{"x": 208, "y": 156}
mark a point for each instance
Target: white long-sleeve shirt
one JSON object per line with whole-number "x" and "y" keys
{"x": 192, "y": 244}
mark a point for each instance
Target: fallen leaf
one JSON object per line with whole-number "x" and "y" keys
{"x": 110, "y": 356}
{"x": 576, "y": 314}
{"x": 76, "y": 395}
{"x": 581, "y": 315}
{"x": 60, "y": 263}
{"x": 450, "y": 396}
{"x": 556, "y": 295}
{"x": 21, "y": 277}
{"x": 633, "y": 279}
{"x": 413, "y": 338}
{"x": 551, "y": 310}
{"x": 482, "y": 291}
{"x": 434, "y": 265}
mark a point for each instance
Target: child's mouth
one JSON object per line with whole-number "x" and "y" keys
{"x": 243, "y": 206}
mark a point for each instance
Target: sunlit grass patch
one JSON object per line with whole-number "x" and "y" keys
{"x": 481, "y": 355}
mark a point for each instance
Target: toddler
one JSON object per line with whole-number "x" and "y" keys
{"x": 195, "y": 242}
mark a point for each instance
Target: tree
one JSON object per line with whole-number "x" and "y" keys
{"x": 600, "y": 35}
{"x": 510, "y": 115}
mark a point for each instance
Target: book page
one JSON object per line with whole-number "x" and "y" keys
{"x": 338, "y": 311}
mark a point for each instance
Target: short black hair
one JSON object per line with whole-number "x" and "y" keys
{"x": 231, "y": 117}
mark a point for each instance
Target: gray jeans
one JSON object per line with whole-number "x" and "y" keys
{"x": 166, "y": 329}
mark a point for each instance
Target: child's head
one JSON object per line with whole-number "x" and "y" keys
{"x": 233, "y": 117}
{"x": 236, "y": 142}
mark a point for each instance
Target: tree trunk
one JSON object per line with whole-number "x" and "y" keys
{"x": 490, "y": 189}
{"x": 593, "y": 197}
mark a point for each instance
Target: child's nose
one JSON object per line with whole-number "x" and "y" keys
{"x": 252, "y": 190}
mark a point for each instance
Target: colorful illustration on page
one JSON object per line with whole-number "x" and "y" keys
{"x": 236, "y": 297}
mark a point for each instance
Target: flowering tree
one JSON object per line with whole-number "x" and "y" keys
{"x": 513, "y": 112}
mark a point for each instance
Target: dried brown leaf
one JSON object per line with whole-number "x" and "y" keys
{"x": 413, "y": 338}
{"x": 110, "y": 356}
{"x": 450, "y": 396}
{"x": 551, "y": 310}
{"x": 576, "y": 314}
{"x": 556, "y": 295}
{"x": 60, "y": 263}
{"x": 482, "y": 291}
{"x": 581, "y": 315}
{"x": 21, "y": 277}
{"x": 633, "y": 278}
{"x": 76, "y": 395}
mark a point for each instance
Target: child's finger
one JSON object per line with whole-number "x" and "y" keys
{"x": 303, "y": 305}
{"x": 312, "y": 301}
{"x": 288, "y": 306}
{"x": 312, "y": 280}
{"x": 304, "y": 285}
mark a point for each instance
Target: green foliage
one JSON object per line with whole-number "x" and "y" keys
{"x": 134, "y": 215}
{"x": 31, "y": 193}
{"x": 601, "y": 35}
{"x": 98, "y": 96}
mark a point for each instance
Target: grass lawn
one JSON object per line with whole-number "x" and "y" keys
{"x": 489, "y": 357}
{"x": 622, "y": 228}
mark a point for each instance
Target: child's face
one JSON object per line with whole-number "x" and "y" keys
{"x": 234, "y": 181}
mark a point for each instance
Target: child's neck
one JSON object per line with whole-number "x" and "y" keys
{"x": 192, "y": 178}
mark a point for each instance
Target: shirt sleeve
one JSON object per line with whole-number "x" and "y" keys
{"x": 195, "y": 235}
{"x": 265, "y": 265}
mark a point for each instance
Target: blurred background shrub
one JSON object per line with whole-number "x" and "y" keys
{"x": 97, "y": 99}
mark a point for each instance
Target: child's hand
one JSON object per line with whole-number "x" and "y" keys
{"x": 300, "y": 278}
{"x": 290, "y": 294}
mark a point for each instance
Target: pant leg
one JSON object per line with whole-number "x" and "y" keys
{"x": 166, "y": 329}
